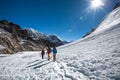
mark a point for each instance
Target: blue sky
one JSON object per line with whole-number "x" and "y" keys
{"x": 69, "y": 19}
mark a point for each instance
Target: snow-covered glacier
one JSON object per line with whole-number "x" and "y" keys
{"x": 95, "y": 57}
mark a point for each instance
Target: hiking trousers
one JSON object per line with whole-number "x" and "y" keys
{"x": 54, "y": 57}
{"x": 48, "y": 56}
{"x": 42, "y": 56}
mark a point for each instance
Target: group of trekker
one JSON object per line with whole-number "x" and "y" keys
{"x": 49, "y": 50}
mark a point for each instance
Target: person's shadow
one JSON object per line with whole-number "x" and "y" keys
{"x": 35, "y": 67}
{"x": 36, "y": 64}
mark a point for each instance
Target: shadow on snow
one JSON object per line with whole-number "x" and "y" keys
{"x": 41, "y": 65}
{"x": 37, "y": 64}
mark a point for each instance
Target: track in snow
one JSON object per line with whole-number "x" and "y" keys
{"x": 57, "y": 70}
{"x": 31, "y": 67}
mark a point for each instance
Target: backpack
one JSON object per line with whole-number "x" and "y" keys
{"x": 49, "y": 50}
{"x": 54, "y": 50}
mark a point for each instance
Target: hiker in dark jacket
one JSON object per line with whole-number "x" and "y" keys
{"x": 42, "y": 53}
{"x": 54, "y": 53}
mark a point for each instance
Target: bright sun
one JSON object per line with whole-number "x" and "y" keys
{"x": 96, "y": 3}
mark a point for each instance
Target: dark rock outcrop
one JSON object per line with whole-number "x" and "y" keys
{"x": 14, "y": 39}
{"x": 13, "y": 44}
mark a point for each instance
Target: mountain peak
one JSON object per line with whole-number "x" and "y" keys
{"x": 117, "y": 5}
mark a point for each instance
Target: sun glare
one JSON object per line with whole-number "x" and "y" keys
{"x": 96, "y": 3}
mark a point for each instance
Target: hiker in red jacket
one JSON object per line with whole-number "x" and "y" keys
{"x": 48, "y": 52}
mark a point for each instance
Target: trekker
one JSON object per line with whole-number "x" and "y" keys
{"x": 54, "y": 53}
{"x": 48, "y": 52}
{"x": 42, "y": 53}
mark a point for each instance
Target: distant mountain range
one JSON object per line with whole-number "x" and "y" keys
{"x": 51, "y": 38}
{"x": 13, "y": 38}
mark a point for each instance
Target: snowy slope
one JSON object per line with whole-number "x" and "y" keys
{"x": 96, "y": 57}
{"x": 110, "y": 20}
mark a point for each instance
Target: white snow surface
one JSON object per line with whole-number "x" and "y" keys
{"x": 95, "y": 57}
